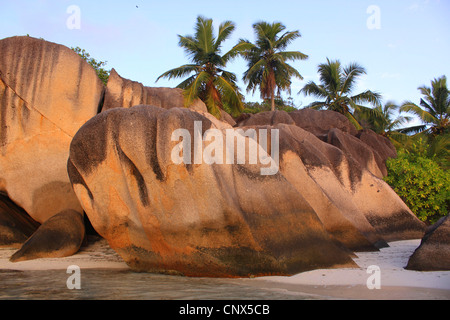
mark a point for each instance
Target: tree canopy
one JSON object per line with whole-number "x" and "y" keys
{"x": 267, "y": 60}
{"x": 335, "y": 90}
{"x": 207, "y": 78}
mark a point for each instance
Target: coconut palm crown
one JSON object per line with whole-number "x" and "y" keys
{"x": 207, "y": 78}
{"x": 267, "y": 60}
{"x": 434, "y": 107}
{"x": 335, "y": 90}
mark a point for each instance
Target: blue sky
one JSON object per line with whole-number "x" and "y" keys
{"x": 139, "y": 38}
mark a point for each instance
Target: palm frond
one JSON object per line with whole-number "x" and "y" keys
{"x": 192, "y": 92}
{"x": 368, "y": 96}
{"x": 225, "y": 30}
{"x": 351, "y": 73}
{"x": 311, "y": 88}
{"x": 317, "y": 105}
{"x": 190, "y": 46}
{"x": 179, "y": 72}
{"x": 425, "y": 116}
{"x": 230, "y": 93}
{"x": 353, "y": 120}
{"x": 241, "y": 48}
{"x": 330, "y": 75}
{"x": 186, "y": 83}
{"x": 292, "y": 55}
{"x": 413, "y": 129}
{"x": 204, "y": 34}
{"x": 286, "y": 39}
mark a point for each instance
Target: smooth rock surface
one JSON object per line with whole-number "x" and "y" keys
{"x": 60, "y": 236}
{"x": 196, "y": 219}
{"x": 434, "y": 251}
{"x": 46, "y": 93}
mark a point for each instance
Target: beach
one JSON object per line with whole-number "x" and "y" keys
{"x": 395, "y": 283}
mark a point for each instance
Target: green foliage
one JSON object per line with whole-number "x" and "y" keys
{"x": 207, "y": 78}
{"x": 434, "y": 106}
{"x": 335, "y": 91}
{"x": 267, "y": 60}
{"x": 280, "y": 104}
{"x": 419, "y": 180}
{"x": 97, "y": 65}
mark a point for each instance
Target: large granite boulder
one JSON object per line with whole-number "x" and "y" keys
{"x": 369, "y": 149}
{"x": 47, "y": 92}
{"x": 357, "y": 208}
{"x": 60, "y": 236}
{"x": 433, "y": 254}
{"x": 227, "y": 218}
{"x": 125, "y": 93}
{"x": 319, "y": 122}
{"x": 264, "y": 118}
{"x": 194, "y": 218}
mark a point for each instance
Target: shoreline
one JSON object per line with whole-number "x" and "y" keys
{"x": 345, "y": 283}
{"x": 96, "y": 255}
{"x": 396, "y": 283}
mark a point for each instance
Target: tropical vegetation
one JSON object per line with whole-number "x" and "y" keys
{"x": 421, "y": 182}
{"x": 102, "y": 73}
{"x": 434, "y": 107}
{"x": 267, "y": 60}
{"x": 337, "y": 83}
{"x": 207, "y": 78}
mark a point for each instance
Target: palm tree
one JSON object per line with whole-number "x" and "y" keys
{"x": 336, "y": 85}
{"x": 208, "y": 80}
{"x": 267, "y": 59}
{"x": 434, "y": 107}
{"x": 386, "y": 120}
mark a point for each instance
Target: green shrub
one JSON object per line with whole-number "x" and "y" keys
{"x": 422, "y": 184}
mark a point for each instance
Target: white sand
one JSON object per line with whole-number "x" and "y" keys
{"x": 396, "y": 282}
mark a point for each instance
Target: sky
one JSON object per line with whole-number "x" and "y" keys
{"x": 402, "y": 44}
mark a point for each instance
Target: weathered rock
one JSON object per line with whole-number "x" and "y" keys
{"x": 225, "y": 117}
{"x": 366, "y": 147}
{"x": 60, "y": 236}
{"x": 16, "y": 226}
{"x": 433, "y": 254}
{"x": 124, "y": 93}
{"x": 46, "y": 93}
{"x": 381, "y": 146}
{"x": 360, "y": 210}
{"x": 195, "y": 219}
{"x": 265, "y": 118}
{"x": 358, "y": 150}
{"x": 304, "y": 159}
{"x": 319, "y": 122}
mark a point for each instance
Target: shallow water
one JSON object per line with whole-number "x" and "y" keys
{"x": 106, "y": 284}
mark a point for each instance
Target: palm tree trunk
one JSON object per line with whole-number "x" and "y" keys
{"x": 272, "y": 101}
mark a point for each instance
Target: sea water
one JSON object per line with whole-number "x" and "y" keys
{"x": 112, "y": 284}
